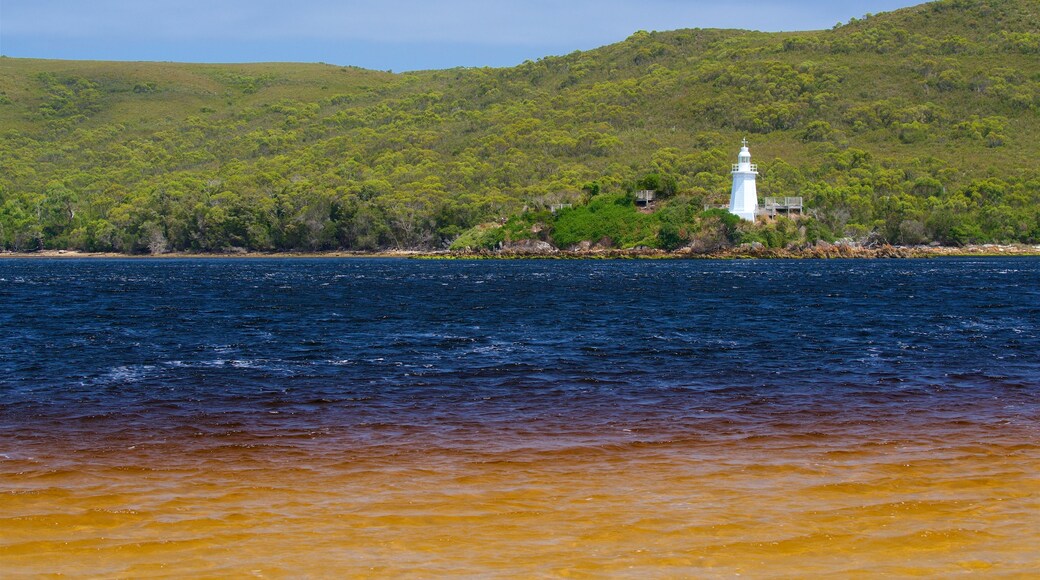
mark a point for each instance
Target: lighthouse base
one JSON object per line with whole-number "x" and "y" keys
{"x": 744, "y": 215}
{"x": 743, "y": 200}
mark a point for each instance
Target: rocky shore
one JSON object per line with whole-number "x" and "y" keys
{"x": 542, "y": 250}
{"x": 820, "y": 250}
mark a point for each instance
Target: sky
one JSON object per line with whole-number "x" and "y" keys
{"x": 398, "y": 35}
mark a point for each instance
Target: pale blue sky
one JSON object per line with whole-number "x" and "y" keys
{"x": 389, "y": 34}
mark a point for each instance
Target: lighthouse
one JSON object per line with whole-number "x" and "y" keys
{"x": 743, "y": 199}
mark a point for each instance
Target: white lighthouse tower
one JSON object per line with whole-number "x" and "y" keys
{"x": 743, "y": 199}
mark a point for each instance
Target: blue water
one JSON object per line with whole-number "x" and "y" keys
{"x": 145, "y": 344}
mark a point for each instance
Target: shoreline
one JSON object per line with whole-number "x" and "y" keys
{"x": 819, "y": 252}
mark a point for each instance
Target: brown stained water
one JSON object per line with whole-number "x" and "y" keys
{"x": 923, "y": 496}
{"x": 475, "y": 449}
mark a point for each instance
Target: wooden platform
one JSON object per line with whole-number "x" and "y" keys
{"x": 772, "y": 206}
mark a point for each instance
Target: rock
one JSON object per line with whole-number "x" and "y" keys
{"x": 528, "y": 247}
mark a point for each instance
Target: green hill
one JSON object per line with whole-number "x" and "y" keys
{"x": 916, "y": 125}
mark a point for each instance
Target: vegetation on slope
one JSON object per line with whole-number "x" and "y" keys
{"x": 908, "y": 127}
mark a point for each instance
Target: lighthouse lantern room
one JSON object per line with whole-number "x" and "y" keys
{"x": 743, "y": 199}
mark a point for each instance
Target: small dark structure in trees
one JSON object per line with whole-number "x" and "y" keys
{"x": 645, "y": 197}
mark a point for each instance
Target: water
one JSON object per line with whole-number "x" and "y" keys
{"x": 578, "y": 418}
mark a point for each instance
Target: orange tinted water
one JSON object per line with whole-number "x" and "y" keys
{"x": 801, "y": 497}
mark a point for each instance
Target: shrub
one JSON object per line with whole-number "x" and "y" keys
{"x": 482, "y": 237}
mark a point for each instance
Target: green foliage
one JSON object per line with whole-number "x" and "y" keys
{"x": 989, "y": 130}
{"x": 481, "y": 237}
{"x": 817, "y": 131}
{"x": 67, "y": 96}
{"x": 664, "y": 185}
{"x": 246, "y": 83}
{"x": 592, "y": 188}
{"x": 1024, "y": 42}
{"x": 932, "y": 141}
{"x": 780, "y": 233}
{"x": 529, "y": 225}
{"x": 608, "y": 220}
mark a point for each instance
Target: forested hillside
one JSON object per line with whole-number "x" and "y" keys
{"x": 907, "y": 127}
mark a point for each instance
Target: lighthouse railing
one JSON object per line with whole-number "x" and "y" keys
{"x": 752, "y": 168}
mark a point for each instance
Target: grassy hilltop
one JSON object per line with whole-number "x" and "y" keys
{"x": 917, "y": 125}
